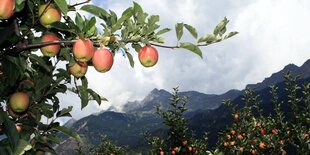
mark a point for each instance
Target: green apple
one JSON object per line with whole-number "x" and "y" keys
{"x": 19, "y": 102}
{"x": 49, "y": 14}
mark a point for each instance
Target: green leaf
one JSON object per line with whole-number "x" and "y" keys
{"x": 231, "y": 34}
{"x": 95, "y": 10}
{"x": 84, "y": 96}
{"x": 94, "y": 96}
{"x": 192, "y": 30}
{"x": 62, "y": 5}
{"x": 209, "y": 38}
{"x": 19, "y": 5}
{"x": 64, "y": 112}
{"x": 79, "y": 21}
{"x": 162, "y": 31}
{"x": 11, "y": 132}
{"x": 91, "y": 23}
{"x": 130, "y": 58}
{"x": 220, "y": 29}
{"x": 68, "y": 132}
{"x": 62, "y": 26}
{"x": 22, "y": 147}
{"x": 191, "y": 47}
{"x": 137, "y": 8}
{"x": 7, "y": 68}
{"x": 179, "y": 30}
{"x": 126, "y": 15}
{"x": 136, "y": 46}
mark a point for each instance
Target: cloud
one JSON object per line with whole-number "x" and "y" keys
{"x": 272, "y": 34}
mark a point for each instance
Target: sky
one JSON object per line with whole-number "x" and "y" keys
{"x": 271, "y": 35}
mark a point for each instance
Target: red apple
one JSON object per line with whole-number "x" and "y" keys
{"x": 49, "y": 14}
{"x": 50, "y": 50}
{"x": 6, "y": 8}
{"x": 83, "y": 50}
{"x": 79, "y": 69}
{"x": 274, "y": 131}
{"x": 148, "y": 56}
{"x": 19, "y": 102}
{"x": 103, "y": 60}
{"x": 263, "y": 131}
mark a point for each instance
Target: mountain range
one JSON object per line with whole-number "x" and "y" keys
{"x": 205, "y": 112}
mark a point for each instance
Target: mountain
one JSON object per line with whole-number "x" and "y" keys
{"x": 303, "y": 71}
{"x": 205, "y": 111}
{"x": 196, "y": 101}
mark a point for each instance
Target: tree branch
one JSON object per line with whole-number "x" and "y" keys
{"x": 74, "y": 5}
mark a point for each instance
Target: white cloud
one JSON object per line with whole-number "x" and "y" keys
{"x": 272, "y": 34}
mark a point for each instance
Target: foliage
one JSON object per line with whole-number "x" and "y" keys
{"x": 179, "y": 140}
{"x": 108, "y": 147}
{"x": 279, "y": 133}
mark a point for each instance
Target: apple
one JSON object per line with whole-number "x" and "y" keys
{"x": 83, "y": 50}
{"x": 79, "y": 69}
{"x": 103, "y": 60}
{"x": 274, "y": 131}
{"x": 236, "y": 117}
{"x": 233, "y": 132}
{"x": 49, "y": 14}
{"x": 6, "y": 9}
{"x": 162, "y": 153}
{"x": 226, "y": 144}
{"x": 50, "y": 50}
{"x": 240, "y": 136}
{"x": 263, "y": 131}
{"x": 19, "y": 102}
{"x": 148, "y": 56}
{"x": 262, "y": 145}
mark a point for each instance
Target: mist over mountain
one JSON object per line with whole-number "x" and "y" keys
{"x": 205, "y": 112}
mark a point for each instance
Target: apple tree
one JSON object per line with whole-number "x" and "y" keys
{"x": 38, "y": 35}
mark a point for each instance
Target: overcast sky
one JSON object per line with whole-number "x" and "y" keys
{"x": 272, "y": 35}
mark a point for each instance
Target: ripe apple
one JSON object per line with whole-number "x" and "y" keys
{"x": 262, "y": 145}
{"x": 226, "y": 144}
{"x": 162, "y": 153}
{"x": 240, "y": 136}
{"x": 19, "y": 102}
{"x": 79, "y": 69}
{"x": 173, "y": 152}
{"x": 148, "y": 56}
{"x": 274, "y": 131}
{"x": 236, "y": 117}
{"x": 49, "y": 14}
{"x": 6, "y": 9}
{"x": 233, "y": 132}
{"x": 83, "y": 50}
{"x": 263, "y": 131}
{"x": 50, "y": 50}
{"x": 103, "y": 60}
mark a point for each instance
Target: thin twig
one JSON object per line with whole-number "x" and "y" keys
{"x": 74, "y": 5}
